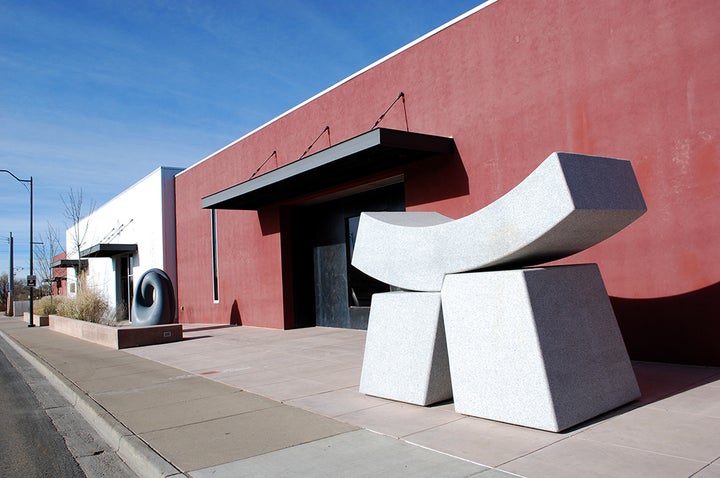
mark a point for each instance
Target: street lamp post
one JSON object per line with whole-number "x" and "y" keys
{"x": 32, "y": 286}
{"x": 11, "y": 281}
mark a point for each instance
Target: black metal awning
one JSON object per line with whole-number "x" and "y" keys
{"x": 65, "y": 263}
{"x": 368, "y": 154}
{"x": 108, "y": 250}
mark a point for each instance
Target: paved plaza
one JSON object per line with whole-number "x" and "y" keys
{"x": 244, "y": 401}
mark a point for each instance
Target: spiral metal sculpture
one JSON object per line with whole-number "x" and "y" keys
{"x": 154, "y": 301}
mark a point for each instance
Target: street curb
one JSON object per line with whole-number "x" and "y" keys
{"x": 137, "y": 454}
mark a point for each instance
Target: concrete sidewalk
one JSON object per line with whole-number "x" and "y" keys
{"x": 164, "y": 421}
{"x": 242, "y": 401}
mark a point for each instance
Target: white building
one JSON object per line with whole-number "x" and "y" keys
{"x": 128, "y": 235}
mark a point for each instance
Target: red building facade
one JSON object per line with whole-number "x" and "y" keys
{"x": 59, "y": 275}
{"x": 510, "y": 83}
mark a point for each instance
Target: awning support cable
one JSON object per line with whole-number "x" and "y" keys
{"x": 382, "y": 116}
{"x": 274, "y": 153}
{"x": 115, "y": 231}
{"x": 327, "y": 128}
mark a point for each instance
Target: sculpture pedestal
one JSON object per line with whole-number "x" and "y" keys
{"x": 535, "y": 347}
{"x": 405, "y": 350}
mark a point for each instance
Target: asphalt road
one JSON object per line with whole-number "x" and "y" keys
{"x": 41, "y": 435}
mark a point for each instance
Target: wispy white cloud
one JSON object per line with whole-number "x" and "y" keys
{"x": 95, "y": 95}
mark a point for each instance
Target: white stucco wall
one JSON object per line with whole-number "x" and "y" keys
{"x": 143, "y": 214}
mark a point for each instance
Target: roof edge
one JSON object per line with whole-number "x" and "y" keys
{"x": 347, "y": 79}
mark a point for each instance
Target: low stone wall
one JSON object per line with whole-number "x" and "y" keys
{"x": 149, "y": 335}
{"x": 41, "y": 320}
{"x": 116, "y": 337}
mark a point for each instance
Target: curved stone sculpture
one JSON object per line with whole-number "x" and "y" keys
{"x": 569, "y": 203}
{"x": 154, "y": 301}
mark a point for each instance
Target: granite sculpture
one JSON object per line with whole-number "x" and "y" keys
{"x": 406, "y": 356}
{"x": 154, "y": 300}
{"x": 569, "y": 203}
{"x": 537, "y": 347}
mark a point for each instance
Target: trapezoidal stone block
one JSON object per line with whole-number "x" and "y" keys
{"x": 405, "y": 350}
{"x": 535, "y": 347}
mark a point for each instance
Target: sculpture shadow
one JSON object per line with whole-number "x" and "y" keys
{"x": 682, "y": 329}
{"x": 210, "y": 327}
{"x": 235, "y": 317}
{"x": 657, "y": 381}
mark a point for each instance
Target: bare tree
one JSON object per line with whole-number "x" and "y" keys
{"x": 45, "y": 253}
{"x": 4, "y": 280}
{"x": 21, "y": 291}
{"x": 75, "y": 211}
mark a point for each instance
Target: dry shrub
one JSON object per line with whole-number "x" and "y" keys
{"x": 121, "y": 313}
{"x": 48, "y": 305}
{"x": 88, "y": 305}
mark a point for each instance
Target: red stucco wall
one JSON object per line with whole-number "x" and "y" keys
{"x": 59, "y": 275}
{"x": 512, "y": 83}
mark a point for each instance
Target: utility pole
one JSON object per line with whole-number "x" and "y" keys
{"x": 31, "y": 278}
{"x": 11, "y": 281}
{"x": 32, "y": 246}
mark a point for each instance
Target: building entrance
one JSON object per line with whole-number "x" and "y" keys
{"x": 328, "y": 290}
{"x": 124, "y": 267}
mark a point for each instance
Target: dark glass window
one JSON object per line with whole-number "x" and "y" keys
{"x": 213, "y": 226}
{"x": 361, "y": 286}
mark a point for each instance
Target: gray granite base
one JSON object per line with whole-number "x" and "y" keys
{"x": 535, "y": 347}
{"x": 405, "y": 350}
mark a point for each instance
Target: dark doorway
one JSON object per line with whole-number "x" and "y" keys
{"x": 124, "y": 265}
{"x": 328, "y": 291}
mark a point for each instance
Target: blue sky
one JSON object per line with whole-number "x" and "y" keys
{"x": 94, "y": 95}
